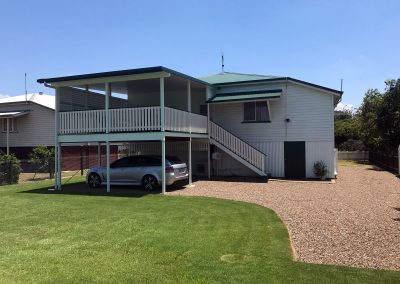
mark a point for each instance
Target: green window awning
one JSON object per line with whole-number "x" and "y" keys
{"x": 245, "y": 96}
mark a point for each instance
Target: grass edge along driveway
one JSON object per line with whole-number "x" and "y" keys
{"x": 59, "y": 237}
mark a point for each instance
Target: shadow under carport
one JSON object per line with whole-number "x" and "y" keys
{"x": 116, "y": 191}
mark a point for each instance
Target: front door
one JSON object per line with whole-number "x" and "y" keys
{"x": 295, "y": 159}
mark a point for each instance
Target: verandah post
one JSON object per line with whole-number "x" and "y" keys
{"x": 163, "y": 187}
{"x": 99, "y": 154}
{"x": 162, "y": 109}
{"x": 57, "y": 148}
{"x": 162, "y": 113}
{"x": 189, "y": 106}
{"x": 107, "y": 106}
{"x": 208, "y": 96}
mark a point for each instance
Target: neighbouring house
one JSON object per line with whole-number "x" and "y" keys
{"x": 27, "y": 121}
{"x": 228, "y": 124}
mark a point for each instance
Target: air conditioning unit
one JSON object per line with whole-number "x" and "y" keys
{"x": 216, "y": 156}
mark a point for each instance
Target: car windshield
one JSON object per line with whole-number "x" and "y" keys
{"x": 174, "y": 160}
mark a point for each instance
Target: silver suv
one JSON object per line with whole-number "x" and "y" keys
{"x": 142, "y": 170}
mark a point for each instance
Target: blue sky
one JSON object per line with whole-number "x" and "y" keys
{"x": 316, "y": 41}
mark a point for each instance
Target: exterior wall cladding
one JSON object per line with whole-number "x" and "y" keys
{"x": 311, "y": 119}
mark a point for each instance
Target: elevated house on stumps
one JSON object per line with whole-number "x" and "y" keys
{"x": 227, "y": 124}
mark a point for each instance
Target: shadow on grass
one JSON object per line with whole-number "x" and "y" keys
{"x": 82, "y": 188}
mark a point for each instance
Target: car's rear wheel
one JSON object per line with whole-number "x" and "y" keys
{"x": 149, "y": 182}
{"x": 94, "y": 180}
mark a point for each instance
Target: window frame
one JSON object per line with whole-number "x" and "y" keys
{"x": 256, "y": 113}
{"x": 12, "y": 126}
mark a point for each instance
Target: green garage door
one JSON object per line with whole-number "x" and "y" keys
{"x": 295, "y": 160}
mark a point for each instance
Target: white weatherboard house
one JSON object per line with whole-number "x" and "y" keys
{"x": 26, "y": 121}
{"x": 228, "y": 124}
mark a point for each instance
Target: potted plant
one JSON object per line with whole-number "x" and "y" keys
{"x": 320, "y": 169}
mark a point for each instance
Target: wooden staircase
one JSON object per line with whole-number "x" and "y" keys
{"x": 237, "y": 148}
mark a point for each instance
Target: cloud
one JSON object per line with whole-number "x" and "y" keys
{"x": 3, "y": 96}
{"x": 345, "y": 107}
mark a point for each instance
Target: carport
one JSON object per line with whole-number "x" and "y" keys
{"x": 146, "y": 104}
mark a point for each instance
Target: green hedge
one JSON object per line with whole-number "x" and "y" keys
{"x": 10, "y": 168}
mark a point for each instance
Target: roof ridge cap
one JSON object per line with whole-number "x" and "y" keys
{"x": 238, "y": 73}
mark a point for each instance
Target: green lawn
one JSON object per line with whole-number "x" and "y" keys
{"x": 137, "y": 238}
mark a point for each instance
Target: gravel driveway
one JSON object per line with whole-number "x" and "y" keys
{"x": 354, "y": 221}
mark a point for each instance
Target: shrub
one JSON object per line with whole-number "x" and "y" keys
{"x": 320, "y": 169}
{"x": 43, "y": 158}
{"x": 10, "y": 168}
{"x": 352, "y": 145}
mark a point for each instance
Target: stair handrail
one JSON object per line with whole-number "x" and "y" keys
{"x": 261, "y": 152}
{"x": 262, "y": 164}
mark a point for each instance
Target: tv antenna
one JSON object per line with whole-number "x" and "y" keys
{"x": 26, "y": 92}
{"x": 222, "y": 62}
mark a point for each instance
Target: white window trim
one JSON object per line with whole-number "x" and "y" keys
{"x": 12, "y": 125}
{"x": 255, "y": 112}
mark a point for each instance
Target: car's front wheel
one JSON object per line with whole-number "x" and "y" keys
{"x": 149, "y": 182}
{"x": 94, "y": 180}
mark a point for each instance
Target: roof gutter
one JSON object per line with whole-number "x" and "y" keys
{"x": 48, "y": 85}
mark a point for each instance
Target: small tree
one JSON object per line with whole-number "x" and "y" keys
{"x": 320, "y": 169}
{"x": 43, "y": 158}
{"x": 10, "y": 168}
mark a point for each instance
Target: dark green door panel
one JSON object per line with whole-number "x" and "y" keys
{"x": 295, "y": 159}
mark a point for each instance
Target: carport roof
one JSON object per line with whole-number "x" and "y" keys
{"x": 121, "y": 73}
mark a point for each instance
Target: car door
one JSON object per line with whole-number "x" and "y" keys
{"x": 152, "y": 166}
{"x": 132, "y": 172}
{"x": 117, "y": 170}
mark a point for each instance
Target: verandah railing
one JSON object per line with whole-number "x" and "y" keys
{"x": 141, "y": 119}
{"x": 183, "y": 121}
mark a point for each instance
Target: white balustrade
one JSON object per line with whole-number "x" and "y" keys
{"x": 176, "y": 120}
{"x": 74, "y": 122}
{"x": 182, "y": 121}
{"x": 237, "y": 146}
{"x": 139, "y": 119}
{"x": 135, "y": 119}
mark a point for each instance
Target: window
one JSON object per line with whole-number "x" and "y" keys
{"x": 121, "y": 163}
{"x": 150, "y": 161}
{"x": 256, "y": 112}
{"x": 12, "y": 126}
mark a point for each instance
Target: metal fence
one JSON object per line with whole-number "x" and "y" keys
{"x": 23, "y": 171}
{"x": 388, "y": 162}
{"x": 34, "y": 172}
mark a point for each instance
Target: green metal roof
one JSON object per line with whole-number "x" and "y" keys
{"x": 245, "y": 96}
{"x": 230, "y": 77}
{"x": 121, "y": 73}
